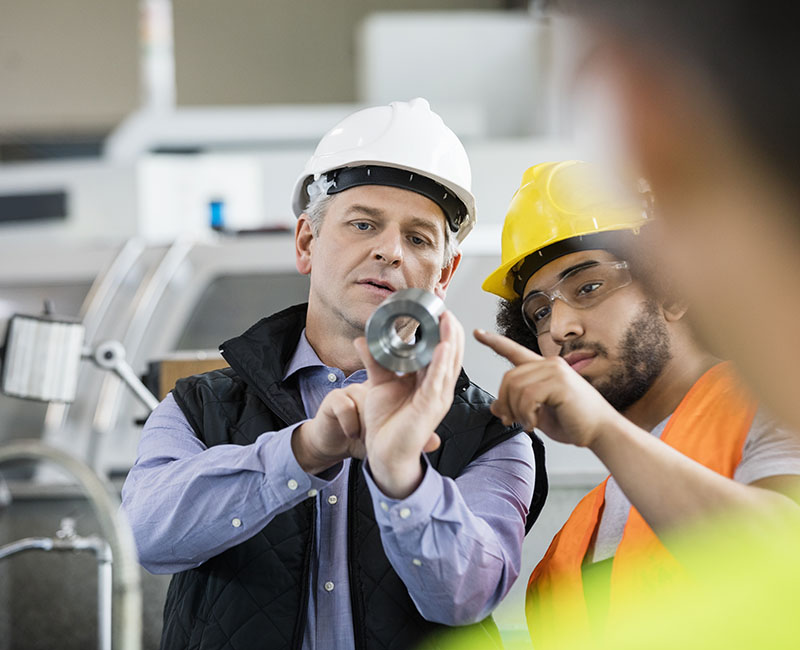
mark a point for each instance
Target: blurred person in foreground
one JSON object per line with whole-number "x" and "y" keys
{"x": 305, "y": 497}
{"x": 703, "y": 100}
{"x": 605, "y": 359}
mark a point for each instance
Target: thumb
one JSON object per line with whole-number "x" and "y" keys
{"x": 433, "y": 443}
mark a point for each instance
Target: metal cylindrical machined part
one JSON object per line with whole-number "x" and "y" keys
{"x": 386, "y": 346}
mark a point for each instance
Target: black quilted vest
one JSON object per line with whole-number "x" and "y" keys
{"x": 255, "y": 595}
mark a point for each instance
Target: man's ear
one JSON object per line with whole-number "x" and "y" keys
{"x": 674, "y": 309}
{"x": 303, "y": 244}
{"x": 447, "y": 274}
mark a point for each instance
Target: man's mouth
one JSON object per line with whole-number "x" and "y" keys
{"x": 378, "y": 284}
{"x": 580, "y": 359}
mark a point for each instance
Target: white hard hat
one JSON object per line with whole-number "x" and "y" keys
{"x": 376, "y": 146}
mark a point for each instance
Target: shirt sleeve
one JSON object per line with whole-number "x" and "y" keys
{"x": 457, "y": 544}
{"x": 187, "y": 502}
{"x": 770, "y": 450}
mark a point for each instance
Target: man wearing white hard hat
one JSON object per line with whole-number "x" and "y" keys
{"x": 306, "y": 497}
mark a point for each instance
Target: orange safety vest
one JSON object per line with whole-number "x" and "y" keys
{"x": 710, "y": 426}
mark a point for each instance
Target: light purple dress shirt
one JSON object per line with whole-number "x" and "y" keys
{"x": 456, "y": 544}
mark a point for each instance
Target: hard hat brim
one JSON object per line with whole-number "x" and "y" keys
{"x": 501, "y": 281}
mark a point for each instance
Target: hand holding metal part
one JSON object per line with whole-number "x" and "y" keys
{"x": 338, "y": 429}
{"x": 400, "y": 412}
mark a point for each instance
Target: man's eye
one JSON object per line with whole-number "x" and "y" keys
{"x": 417, "y": 241}
{"x": 362, "y": 225}
{"x": 589, "y": 287}
{"x": 540, "y": 314}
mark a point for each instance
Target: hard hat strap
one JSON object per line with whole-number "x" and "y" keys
{"x": 454, "y": 209}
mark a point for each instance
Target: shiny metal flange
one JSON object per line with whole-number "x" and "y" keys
{"x": 387, "y": 348}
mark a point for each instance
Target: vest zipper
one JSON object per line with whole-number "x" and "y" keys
{"x": 356, "y": 604}
{"x": 300, "y": 624}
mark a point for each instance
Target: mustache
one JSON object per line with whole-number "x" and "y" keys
{"x": 589, "y": 346}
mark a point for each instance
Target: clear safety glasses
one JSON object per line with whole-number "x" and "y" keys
{"x": 581, "y": 288}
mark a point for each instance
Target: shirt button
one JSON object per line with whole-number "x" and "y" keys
{"x": 236, "y": 522}
{"x": 332, "y": 499}
{"x": 329, "y": 586}
{"x": 405, "y": 513}
{"x": 332, "y": 377}
{"x": 416, "y": 562}
{"x": 312, "y": 492}
{"x": 292, "y": 484}
{"x": 384, "y": 506}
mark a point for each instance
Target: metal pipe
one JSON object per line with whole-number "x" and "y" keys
{"x": 26, "y": 544}
{"x": 126, "y": 588}
{"x": 68, "y": 539}
{"x": 105, "y": 601}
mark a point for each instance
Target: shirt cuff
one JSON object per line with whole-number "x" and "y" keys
{"x": 416, "y": 509}
{"x": 283, "y": 476}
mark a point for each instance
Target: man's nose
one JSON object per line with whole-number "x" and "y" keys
{"x": 389, "y": 246}
{"x": 565, "y": 322}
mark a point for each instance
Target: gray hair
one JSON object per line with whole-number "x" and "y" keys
{"x": 319, "y": 200}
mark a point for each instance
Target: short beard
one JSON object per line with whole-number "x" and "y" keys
{"x": 645, "y": 351}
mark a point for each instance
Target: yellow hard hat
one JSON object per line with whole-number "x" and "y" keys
{"x": 557, "y": 201}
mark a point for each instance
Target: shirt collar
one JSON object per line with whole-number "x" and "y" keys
{"x": 303, "y": 357}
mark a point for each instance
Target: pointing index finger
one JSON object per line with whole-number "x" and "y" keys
{"x": 505, "y": 347}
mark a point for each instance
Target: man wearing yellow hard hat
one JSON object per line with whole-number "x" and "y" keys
{"x": 604, "y": 358}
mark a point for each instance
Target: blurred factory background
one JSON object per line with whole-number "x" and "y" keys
{"x": 147, "y": 155}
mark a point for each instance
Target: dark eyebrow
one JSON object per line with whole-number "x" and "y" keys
{"x": 365, "y": 209}
{"x": 425, "y": 224}
{"x": 577, "y": 267}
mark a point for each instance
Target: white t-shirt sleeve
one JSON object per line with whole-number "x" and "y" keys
{"x": 771, "y": 449}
